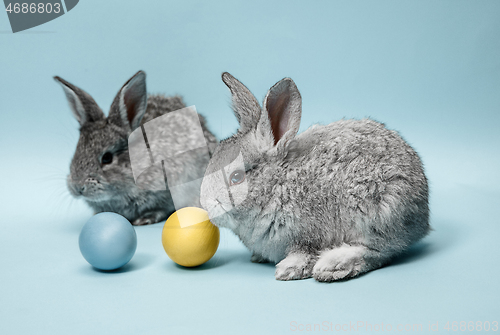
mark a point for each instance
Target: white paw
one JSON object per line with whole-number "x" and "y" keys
{"x": 294, "y": 266}
{"x": 339, "y": 263}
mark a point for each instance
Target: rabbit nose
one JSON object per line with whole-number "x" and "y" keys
{"x": 91, "y": 180}
{"x": 88, "y": 185}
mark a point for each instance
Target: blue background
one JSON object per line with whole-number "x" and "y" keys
{"x": 430, "y": 69}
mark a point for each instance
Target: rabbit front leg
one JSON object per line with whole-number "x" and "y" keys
{"x": 344, "y": 262}
{"x": 296, "y": 265}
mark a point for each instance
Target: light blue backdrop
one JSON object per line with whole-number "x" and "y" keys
{"x": 430, "y": 69}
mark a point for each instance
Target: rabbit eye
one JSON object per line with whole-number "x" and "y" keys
{"x": 107, "y": 158}
{"x": 236, "y": 177}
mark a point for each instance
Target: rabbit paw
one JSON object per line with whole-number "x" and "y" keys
{"x": 150, "y": 218}
{"x": 256, "y": 258}
{"x": 143, "y": 221}
{"x": 294, "y": 266}
{"x": 339, "y": 263}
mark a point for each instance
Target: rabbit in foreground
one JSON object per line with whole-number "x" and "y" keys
{"x": 331, "y": 203}
{"x": 100, "y": 171}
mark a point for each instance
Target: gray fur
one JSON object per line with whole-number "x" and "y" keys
{"x": 111, "y": 187}
{"x": 331, "y": 203}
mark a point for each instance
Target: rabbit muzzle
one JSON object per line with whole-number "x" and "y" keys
{"x": 218, "y": 215}
{"x": 90, "y": 188}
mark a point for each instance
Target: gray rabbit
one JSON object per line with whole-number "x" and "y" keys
{"x": 101, "y": 172}
{"x": 331, "y": 203}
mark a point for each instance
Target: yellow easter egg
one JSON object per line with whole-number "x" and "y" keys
{"x": 189, "y": 238}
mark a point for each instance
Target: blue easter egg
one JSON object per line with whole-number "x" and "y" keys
{"x": 108, "y": 241}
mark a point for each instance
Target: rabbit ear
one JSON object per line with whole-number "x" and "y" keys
{"x": 283, "y": 106}
{"x": 130, "y": 103}
{"x": 245, "y": 106}
{"x": 82, "y": 105}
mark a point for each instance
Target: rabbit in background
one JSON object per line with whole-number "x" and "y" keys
{"x": 100, "y": 170}
{"x": 331, "y": 203}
